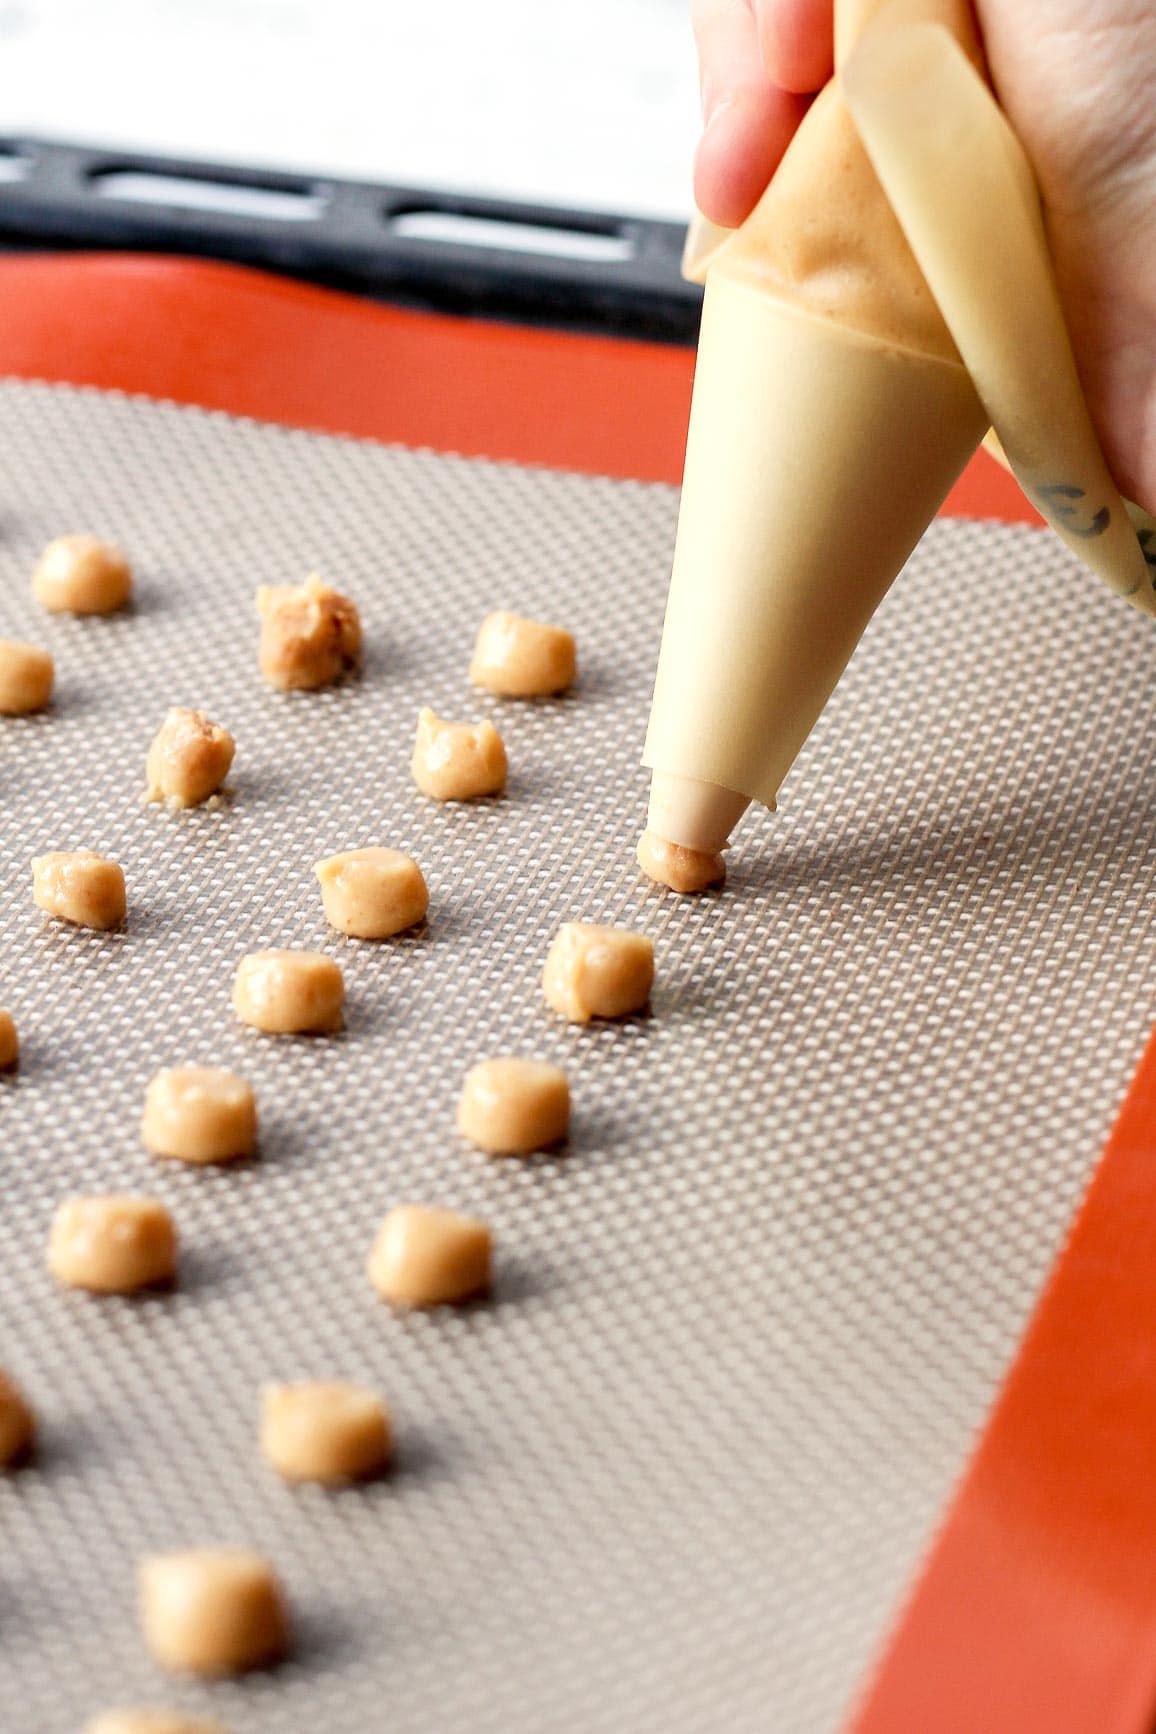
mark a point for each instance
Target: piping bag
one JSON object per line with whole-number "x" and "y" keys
{"x": 889, "y": 301}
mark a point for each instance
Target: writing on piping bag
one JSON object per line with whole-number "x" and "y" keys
{"x": 963, "y": 190}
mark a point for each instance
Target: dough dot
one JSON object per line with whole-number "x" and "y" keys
{"x": 212, "y": 1611}
{"x": 26, "y": 677}
{"x": 17, "y": 1422}
{"x": 289, "y": 992}
{"x": 82, "y": 575}
{"x": 510, "y": 1107}
{"x": 428, "y": 1258}
{"x": 189, "y": 759}
{"x": 80, "y": 886}
{"x": 310, "y": 634}
{"x": 677, "y": 867}
{"x": 112, "y": 1244}
{"x": 520, "y": 658}
{"x": 597, "y": 972}
{"x": 9, "y": 1042}
{"x": 140, "y": 1721}
{"x": 458, "y": 761}
{"x": 325, "y": 1431}
{"x": 372, "y": 893}
{"x": 199, "y": 1114}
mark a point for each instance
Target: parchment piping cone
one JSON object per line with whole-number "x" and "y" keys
{"x": 831, "y": 414}
{"x": 816, "y": 458}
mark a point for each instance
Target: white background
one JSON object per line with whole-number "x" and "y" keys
{"x": 584, "y": 102}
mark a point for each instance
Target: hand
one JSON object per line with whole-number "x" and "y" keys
{"x": 759, "y": 60}
{"x": 1075, "y": 81}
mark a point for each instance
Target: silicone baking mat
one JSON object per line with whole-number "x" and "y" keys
{"x": 679, "y": 1469}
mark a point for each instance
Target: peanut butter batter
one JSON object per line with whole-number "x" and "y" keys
{"x": 212, "y": 1611}
{"x": 597, "y": 972}
{"x": 325, "y": 1430}
{"x": 310, "y": 634}
{"x": 112, "y": 1244}
{"x": 189, "y": 759}
{"x": 82, "y": 575}
{"x": 677, "y": 867}
{"x": 26, "y": 677}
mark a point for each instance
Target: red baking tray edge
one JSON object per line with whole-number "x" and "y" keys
{"x": 1035, "y": 1612}
{"x": 237, "y": 340}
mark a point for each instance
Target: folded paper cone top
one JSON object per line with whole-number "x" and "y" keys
{"x": 824, "y": 238}
{"x": 957, "y": 17}
{"x": 823, "y": 235}
{"x": 831, "y": 415}
{"x": 979, "y": 236}
{"x": 816, "y": 458}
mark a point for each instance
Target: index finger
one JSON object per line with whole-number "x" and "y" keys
{"x": 797, "y": 42}
{"x": 749, "y": 120}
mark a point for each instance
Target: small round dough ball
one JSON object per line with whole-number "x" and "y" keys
{"x": 212, "y": 1611}
{"x": 458, "y": 761}
{"x": 310, "y": 634}
{"x": 140, "y": 1721}
{"x": 9, "y": 1042}
{"x": 289, "y": 992}
{"x": 199, "y": 1114}
{"x": 82, "y": 575}
{"x": 17, "y": 1422}
{"x": 80, "y": 886}
{"x": 520, "y": 658}
{"x": 325, "y": 1431}
{"x": 189, "y": 759}
{"x": 511, "y": 1107}
{"x": 372, "y": 893}
{"x": 597, "y": 972}
{"x": 112, "y": 1244}
{"x": 26, "y": 677}
{"x": 677, "y": 867}
{"x": 429, "y": 1258}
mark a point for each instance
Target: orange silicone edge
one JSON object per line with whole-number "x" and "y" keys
{"x": 1036, "y": 1610}
{"x": 228, "y": 338}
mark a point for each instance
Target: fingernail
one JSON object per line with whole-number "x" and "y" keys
{"x": 718, "y": 105}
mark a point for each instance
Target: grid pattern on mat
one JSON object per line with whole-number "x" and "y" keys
{"x": 675, "y": 1475}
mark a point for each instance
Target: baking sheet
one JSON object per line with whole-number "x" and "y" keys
{"x": 677, "y": 1472}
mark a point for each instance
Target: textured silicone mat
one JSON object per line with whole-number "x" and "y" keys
{"x": 676, "y": 1473}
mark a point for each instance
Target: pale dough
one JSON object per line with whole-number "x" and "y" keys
{"x": 310, "y": 634}
{"x": 372, "y": 893}
{"x": 82, "y": 575}
{"x": 325, "y": 1430}
{"x": 9, "y": 1042}
{"x": 677, "y": 867}
{"x": 114, "y": 1244}
{"x": 81, "y": 887}
{"x": 199, "y": 1114}
{"x": 597, "y": 972}
{"x": 139, "y": 1721}
{"x": 458, "y": 761}
{"x": 189, "y": 759}
{"x": 17, "y": 1422}
{"x": 289, "y": 992}
{"x": 519, "y": 658}
{"x": 427, "y": 1258}
{"x": 212, "y": 1611}
{"x": 510, "y": 1107}
{"x": 26, "y": 677}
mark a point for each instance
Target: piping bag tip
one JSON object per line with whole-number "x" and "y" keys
{"x": 692, "y": 816}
